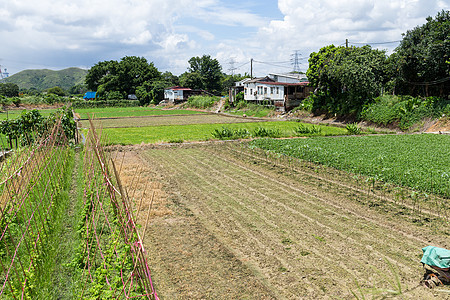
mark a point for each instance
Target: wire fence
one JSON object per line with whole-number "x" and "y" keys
{"x": 113, "y": 257}
{"x": 30, "y": 187}
{"x": 108, "y": 262}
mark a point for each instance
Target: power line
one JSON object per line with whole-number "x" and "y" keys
{"x": 270, "y": 64}
{"x": 373, "y": 43}
{"x": 439, "y": 81}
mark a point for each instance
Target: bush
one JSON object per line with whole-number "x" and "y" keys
{"x": 404, "y": 110}
{"x": 202, "y": 101}
{"x": 226, "y": 133}
{"x": 266, "y": 132}
{"x": 303, "y": 129}
{"x": 353, "y": 128}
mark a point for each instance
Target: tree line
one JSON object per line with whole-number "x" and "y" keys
{"x": 346, "y": 79}
{"x": 135, "y": 75}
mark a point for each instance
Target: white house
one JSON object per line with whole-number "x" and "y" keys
{"x": 176, "y": 94}
{"x": 283, "y": 95}
{"x": 288, "y": 78}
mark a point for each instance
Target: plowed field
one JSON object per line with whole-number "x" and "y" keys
{"x": 235, "y": 226}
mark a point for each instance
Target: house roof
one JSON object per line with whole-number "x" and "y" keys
{"x": 261, "y": 79}
{"x": 304, "y": 83}
{"x": 178, "y": 88}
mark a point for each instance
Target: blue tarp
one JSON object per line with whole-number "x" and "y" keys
{"x": 434, "y": 256}
{"x": 89, "y": 95}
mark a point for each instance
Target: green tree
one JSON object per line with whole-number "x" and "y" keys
{"x": 229, "y": 80}
{"x": 9, "y": 89}
{"x": 123, "y": 77}
{"x": 56, "y": 91}
{"x": 170, "y": 79}
{"x": 205, "y": 73}
{"x": 191, "y": 80}
{"x": 151, "y": 92}
{"x": 422, "y": 57}
{"x": 346, "y": 79}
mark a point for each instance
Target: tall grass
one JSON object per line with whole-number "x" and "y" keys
{"x": 202, "y": 101}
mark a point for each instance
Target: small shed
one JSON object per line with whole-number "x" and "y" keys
{"x": 90, "y": 95}
{"x": 176, "y": 94}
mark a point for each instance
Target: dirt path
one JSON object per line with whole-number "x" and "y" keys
{"x": 239, "y": 228}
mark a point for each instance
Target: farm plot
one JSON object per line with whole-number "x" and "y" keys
{"x": 163, "y": 120}
{"x": 116, "y": 112}
{"x": 240, "y": 228}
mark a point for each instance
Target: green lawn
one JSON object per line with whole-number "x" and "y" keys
{"x": 115, "y": 112}
{"x": 419, "y": 161}
{"x": 199, "y": 132}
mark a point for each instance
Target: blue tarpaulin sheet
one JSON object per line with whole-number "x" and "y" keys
{"x": 434, "y": 256}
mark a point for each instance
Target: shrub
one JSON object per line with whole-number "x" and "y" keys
{"x": 266, "y": 132}
{"x": 202, "y": 101}
{"x": 225, "y": 133}
{"x": 303, "y": 129}
{"x": 404, "y": 110}
{"x": 353, "y": 128}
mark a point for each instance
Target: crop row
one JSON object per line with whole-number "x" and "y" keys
{"x": 421, "y": 162}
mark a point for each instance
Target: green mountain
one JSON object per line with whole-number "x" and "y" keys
{"x": 44, "y": 79}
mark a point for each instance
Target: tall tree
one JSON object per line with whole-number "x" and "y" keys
{"x": 121, "y": 78}
{"x": 9, "y": 89}
{"x": 422, "y": 58}
{"x": 208, "y": 72}
{"x": 346, "y": 78}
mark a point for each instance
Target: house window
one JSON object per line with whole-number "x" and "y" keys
{"x": 271, "y": 90}
{"x": 245, "y": 91}
{"x": 251, "y": 91}
{"x": 265, "y": 90}
{"x": 278, "y": 90}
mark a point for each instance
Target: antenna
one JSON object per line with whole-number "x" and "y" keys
{"x": 295, "y": 57}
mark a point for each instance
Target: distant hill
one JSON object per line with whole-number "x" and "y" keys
{"x": 44, "y": 79}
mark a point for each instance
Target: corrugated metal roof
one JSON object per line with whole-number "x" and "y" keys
{"x": 178, "y": 88}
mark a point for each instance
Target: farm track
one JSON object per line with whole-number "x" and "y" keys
{"x": 300, "y": 236}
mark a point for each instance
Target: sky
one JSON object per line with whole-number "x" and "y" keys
{"x": 57, "y": 34}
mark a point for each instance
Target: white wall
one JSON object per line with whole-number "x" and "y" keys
{"x": 263, "y": 91}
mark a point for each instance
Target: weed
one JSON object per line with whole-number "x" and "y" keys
{"x": 266, "y": 132}
{"x": 353, "y": 129}
{"x": 319, "y": 238}
{"x": 303, "y": 129}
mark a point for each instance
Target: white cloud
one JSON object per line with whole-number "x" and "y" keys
{"x": 82, "y": 32}
{"x": 309, "y": 25}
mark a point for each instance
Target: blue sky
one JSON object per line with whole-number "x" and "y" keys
{"x": 79, "y": 33}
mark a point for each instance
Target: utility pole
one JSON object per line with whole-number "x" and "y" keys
{"x": 251, "y": 68}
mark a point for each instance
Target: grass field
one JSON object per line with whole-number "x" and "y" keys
{"x": 198, "y": 132}
{"x": 232, "y": 223}
{"x": 116, "y": 112}
{"x": 15, "y": 113}
{"x": 420, "y": 161}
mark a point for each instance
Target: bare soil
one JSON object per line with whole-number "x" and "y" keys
{"x": 440, "y": 126}
{"x": 227, "y": 225}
